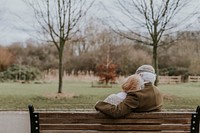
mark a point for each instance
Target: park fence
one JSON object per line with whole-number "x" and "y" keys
{"x": 90, "y": 77}
{"x": 177, "y": 79}
{"x": 169, "y": 79}
{"x": 194, "y": 79}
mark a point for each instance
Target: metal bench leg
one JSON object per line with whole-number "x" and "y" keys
{"x": 34, "y": 120}
{"x": 195, "y": 121}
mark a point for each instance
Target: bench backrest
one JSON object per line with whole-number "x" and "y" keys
{"x": 77, "y": 122}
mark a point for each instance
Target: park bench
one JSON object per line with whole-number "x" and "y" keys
{"x": 95, "y": 122}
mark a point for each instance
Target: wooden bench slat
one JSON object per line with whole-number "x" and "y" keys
{"x": 93, "y": 131}
{"x": 70, "y": 127}
{"x": 114, "y": 121}
{"x": 147, "y": 127}
{"x": 177, "y": 127}
{"x": 132, "y": 115}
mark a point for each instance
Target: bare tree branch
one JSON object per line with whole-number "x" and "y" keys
{"x": 59, "y": 19}
{"x": 155, "y": 17}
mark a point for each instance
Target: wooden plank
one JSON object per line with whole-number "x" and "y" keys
{"x": 87, "y": 131}
{"x": 193, "y": 78}
{"x": 81, "y": 131}
{"x": 132, "y": 115}
{"x": 161, "y": 115}
{"x": 70, "y": 127}
{"x": 169, "y": 79}
{"x": 71, "y": 115}
{"x": 103, "y": 121}
{"x": 116, "y": 121}
{"x": 146, "y": 127}
{"x": 177, "y": 127}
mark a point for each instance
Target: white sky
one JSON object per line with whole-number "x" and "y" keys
{"x": 11, "y": 12}
{"x": 14, "y": 15}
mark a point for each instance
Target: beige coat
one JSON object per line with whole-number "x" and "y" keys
{"x": 144, "y": 100}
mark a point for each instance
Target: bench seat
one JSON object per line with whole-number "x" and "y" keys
{"x": 95, "y": 122}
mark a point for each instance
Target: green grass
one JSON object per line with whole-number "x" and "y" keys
{"x": 185, "y": 95}
{"x": 17, "y": 96}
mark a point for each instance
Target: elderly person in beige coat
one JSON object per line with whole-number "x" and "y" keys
{"x": 144, "y": 100}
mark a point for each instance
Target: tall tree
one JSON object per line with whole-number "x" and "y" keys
{"x": 148, "y": 20}
{"x": 59, "y": 20}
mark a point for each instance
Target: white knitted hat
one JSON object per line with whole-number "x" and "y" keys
{"x": 148, "y": 77}
{"x": 147, "y": 73}
{"x": 145, "y": 68}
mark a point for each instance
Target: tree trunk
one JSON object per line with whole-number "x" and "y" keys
{"x": 61, "y": 66}
{"x": 155, "y": 62}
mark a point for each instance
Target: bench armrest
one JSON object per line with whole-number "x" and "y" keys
{"x": 34, "y": 120}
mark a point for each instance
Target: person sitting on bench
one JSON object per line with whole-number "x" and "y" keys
{"x": 144, "y": 100}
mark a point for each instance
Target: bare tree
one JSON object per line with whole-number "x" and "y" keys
{"x": 59, "y": 21}
{"x": 148, "y": 20}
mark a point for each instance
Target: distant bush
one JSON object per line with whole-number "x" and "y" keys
{"x": 17, "y": 72}
{"x": 175, "y": 71}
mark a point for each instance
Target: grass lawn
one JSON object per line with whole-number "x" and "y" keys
{"x": 181, "y": 96}
{"x": 80, "y": 95}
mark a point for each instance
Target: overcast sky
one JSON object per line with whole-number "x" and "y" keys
{"x": 15, "y": 15}
{"x": 10, "y": 23}
{"x": 15, "y": 19}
